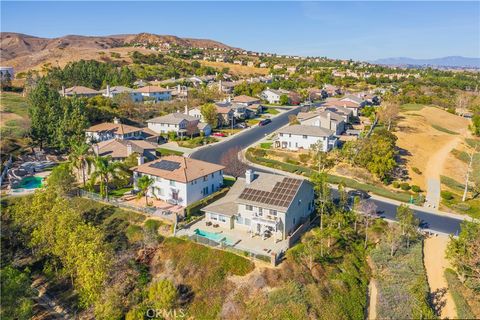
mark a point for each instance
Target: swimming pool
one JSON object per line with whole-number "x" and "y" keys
{"x": 217, "y": 237}
{"x": 30, "y": 183}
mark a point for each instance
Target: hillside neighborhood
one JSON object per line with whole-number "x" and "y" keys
{"x": 146, "y": 173}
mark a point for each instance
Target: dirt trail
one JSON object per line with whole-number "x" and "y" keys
{"x": 434, "y": 168}
{"x": 435, "y": 265}
{"x": 373, "y": 292}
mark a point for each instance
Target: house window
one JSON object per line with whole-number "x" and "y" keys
{"x": 305, "y": 136}
{"x": 172, "y": 183}
{"x": 213, "y": 174}
{"x": 249, "y": 207}
{"x": 213, "y": 216}
{"x": 205, "y": 178}
{"x": 205, "y": 190}
{"x": 281, "y": 134}
{"x": 247, "y": 221}
{"x": 260, "y": 211}
{"x": 160, "y": 192}
{"x": 273, "y": 212}
{"x": 222, "y": 218}
{"x": 239, "y": 220}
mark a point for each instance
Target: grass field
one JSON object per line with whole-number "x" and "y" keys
{"x": 442, "y": 129}
{"x": 14, "y": 121}
{"x": 168, "y": 152}
{"x": 412, "y": 107}
{"x": 272, "y": 111}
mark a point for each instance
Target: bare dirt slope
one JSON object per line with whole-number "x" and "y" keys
{"x": 435, "y": 265}
{"x": 425, "y": 147}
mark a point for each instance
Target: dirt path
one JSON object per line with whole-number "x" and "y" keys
{"x": 433, "y": 170}
{"x": 435, "y": 265}
{"x": 373, "y": 293}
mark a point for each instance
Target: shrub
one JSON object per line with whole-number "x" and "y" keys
{"x": 152, "y": 225}
{"x": 416, "y": 170}
{"x": 416, "y": 188}
{"x": 194, "y": 208}
{"x": 396, "y": 184}
{"x": 259, "y": 153}
{"x": 446, "y": 195}
{"x": 304, "y": 157}
{"x": 405, "y": 186}
{"x": 163, "y": 294}
{"x": 266, "y": 145}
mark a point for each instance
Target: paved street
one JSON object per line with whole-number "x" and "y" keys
{"x": 386, "y": 207}
{"x": 242, "y": 140}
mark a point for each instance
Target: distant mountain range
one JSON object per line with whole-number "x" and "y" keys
{"x": 452, "y": 61}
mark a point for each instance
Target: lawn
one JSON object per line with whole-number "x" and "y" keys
{"x": 196, "y": 142}
{"x": 470, "y": 206}
{"x": 442, "y": 129}
{"x": 266, "y": 145}
{"x": 168, "y": 152}
{"x": 230, "y": 132}
{"x": 252, "y": 122}
{"x": 412, "y": 107}
{"x": 14, "y": 121}
{"x": 13, "y": 103}
{"x": 272, "y": 111}
{"x": 117, "y": 193}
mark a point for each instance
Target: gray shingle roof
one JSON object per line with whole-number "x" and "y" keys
{"x": 173, "y": 118}
{"x": 314, "y": 131}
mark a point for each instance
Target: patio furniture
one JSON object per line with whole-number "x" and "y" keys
{"x": 215, "y": 225}
{"x": 208, "y": 223}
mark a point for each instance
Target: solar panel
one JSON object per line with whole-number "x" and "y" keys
{"x": 166, "y": 165}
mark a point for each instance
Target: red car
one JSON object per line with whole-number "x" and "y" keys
{"x": 219, "y": 134}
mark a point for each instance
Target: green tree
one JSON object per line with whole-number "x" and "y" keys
{"x": 80, "y": 158}
{"x": 408, "y": 222}
{"x": 16, "y": 294}
{"x": 464, "y": 253}
{"x": 144, "y": 183}
{"x": 104, "y": 172}
{"x": 62, "y": 179}
{"x": 209, "y": 114}
{"x": 284, "y": 100}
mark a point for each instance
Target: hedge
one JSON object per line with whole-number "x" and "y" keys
{"x": 194, "y": 208}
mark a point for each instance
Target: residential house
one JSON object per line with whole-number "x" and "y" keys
{"x": 348, "y": 104}
{"x": 154, "y": 93}
{"x": 116, "y": 130}
{"x": 180, "y": 123}
{"x": 332, "y": 90}
{"x": 264, "y": 204}
{"x": 225, "y": 115}
{"x": 298, "y": 137}
{"x": 273, "y": 96}
{"x": 79, "y": 91}
{"x": 325, "y": 119}
{"x": 355, "y": 99}
{"x": 111, "y": 92}
{"x": 239, "y": 109}
{"x": 180, "y": 180}
{"x": 245, "y": 100}
{"x": 120, "y": 149}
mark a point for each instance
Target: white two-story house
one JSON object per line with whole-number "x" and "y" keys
{"x": 264, "y": 203}
{"x": 180, "y": 123}
{"x": 111, "y": 92}
{"x": 180, "y": 180}
{"x": 155, "y": 94}
{"x": 325, "y": 119}
{"x": 302, "y": 137}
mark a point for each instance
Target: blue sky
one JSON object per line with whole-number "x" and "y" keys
{"x": 358, "y": 30}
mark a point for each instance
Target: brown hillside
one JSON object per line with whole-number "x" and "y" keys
{"x": 24, "y": 52}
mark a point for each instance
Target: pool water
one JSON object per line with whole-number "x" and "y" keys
{"x": 217, "y": 237}
{"x": 30, "y": 183}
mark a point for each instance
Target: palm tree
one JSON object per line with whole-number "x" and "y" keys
{"x": 143, "y": 183}
{"x": 105, "y": 171}
{"x": 80, "y": 158}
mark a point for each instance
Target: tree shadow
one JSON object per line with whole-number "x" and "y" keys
{"x": 438, "y": 300}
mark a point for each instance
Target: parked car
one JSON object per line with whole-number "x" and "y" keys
{"x": 362, "y": 195}
{"x": 264, "y": 122}
{"x": 219, "y": 134}
{"x": 241, "y": 125}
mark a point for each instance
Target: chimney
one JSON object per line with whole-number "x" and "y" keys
{"x": 116, "y": 120}
{"x": 140, "y": 160}
{"x": 63, "y": 91}
{"x": 249, "y": 176}
{"x": 129, "y": 149}
{"x": 186, "y": 110}
{"x": 108, "y": 90}
{"x": 329, "y": 119}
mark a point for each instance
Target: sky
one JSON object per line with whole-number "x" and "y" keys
{"x": 357, "y": 30}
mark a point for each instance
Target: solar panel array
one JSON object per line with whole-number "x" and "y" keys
{"x": 166, "y": 165}
{"x": 281, "y": 195}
